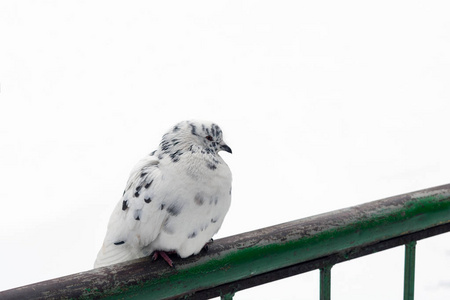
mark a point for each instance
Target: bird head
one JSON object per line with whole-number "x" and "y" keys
{"x": 203, "y": 134}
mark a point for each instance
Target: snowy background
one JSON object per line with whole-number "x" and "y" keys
{"x": 326, "y": 104}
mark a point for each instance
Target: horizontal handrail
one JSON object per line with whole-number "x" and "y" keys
{"x": 263, "y": 255}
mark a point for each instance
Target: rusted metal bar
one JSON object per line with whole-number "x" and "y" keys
{"x": 237, "y": 262}
{"x": 410, "y": 266}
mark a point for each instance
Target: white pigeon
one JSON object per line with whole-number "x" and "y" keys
{"x": 175, "y": 200}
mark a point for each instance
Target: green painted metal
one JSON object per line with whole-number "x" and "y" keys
{"x": 227, "y": 296}
{"x": 257, "y": 252}
{"x": 325, "y": 283}
{"x": 410, "y": 264}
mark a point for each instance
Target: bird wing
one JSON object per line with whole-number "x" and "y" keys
{"x": 137, "y": 219}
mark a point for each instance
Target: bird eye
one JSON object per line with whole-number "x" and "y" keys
{"x": 209, "y": 138}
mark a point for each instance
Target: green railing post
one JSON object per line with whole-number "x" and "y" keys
{"x": 228, "y": 296}
{"x": 325, "y": 283}
{"x": 410, "y": 263}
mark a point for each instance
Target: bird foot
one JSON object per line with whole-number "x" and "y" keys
{"x": 206, "y": 247}
{"x": 164, "y": 256}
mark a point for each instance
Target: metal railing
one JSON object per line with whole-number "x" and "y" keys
{"x": 268, "y": 254}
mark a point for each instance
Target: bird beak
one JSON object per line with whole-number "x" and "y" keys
{"x": 225, "y": 147}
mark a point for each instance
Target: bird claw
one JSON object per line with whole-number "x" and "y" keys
{"x": 164, "y": 256}
{"x": 206, "y": 247}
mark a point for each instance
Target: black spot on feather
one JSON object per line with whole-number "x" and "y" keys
{"x": 192, "y": 235}
{"x": 173, "y": 210}
{"x": 176, "y": 156}
{"x": 124, "y": 204}
{"x": 119, "y": 243}
{"x": 165, "y": 146}
{"x": 137, "y": 214}
{"x": 193, "y": 129}
{"x": 148, "y": 200}
{"x": 199, "y": 200}
{"x": 148, "y": 184}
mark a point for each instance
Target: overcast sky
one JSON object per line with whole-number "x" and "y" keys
{"x": 326, "y": 104}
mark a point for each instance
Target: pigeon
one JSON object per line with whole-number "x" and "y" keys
{"x": 175, "y": 199}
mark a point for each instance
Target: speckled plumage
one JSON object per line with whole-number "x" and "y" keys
{"x": 176, "y": 198}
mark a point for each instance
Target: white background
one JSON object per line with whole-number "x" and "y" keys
{"x": 326, "y": 104}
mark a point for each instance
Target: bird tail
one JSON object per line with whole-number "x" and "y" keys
{"x": 113, "y": 254}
